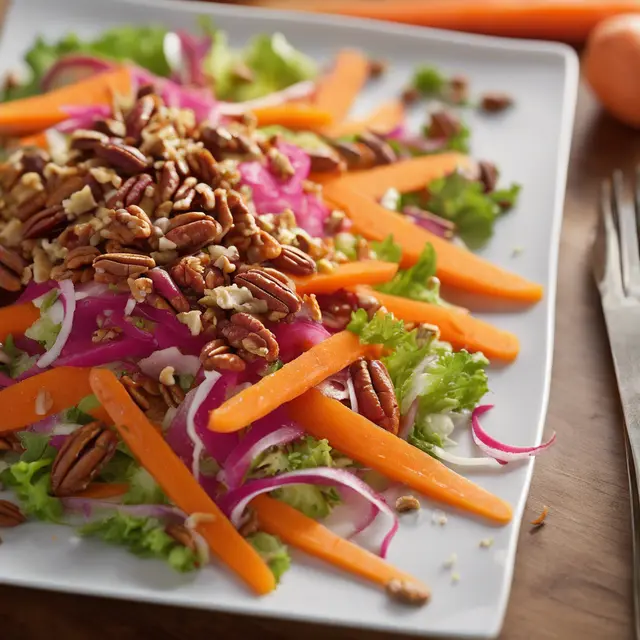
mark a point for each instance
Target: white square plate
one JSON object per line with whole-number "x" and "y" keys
{"x": 530, "y": 144}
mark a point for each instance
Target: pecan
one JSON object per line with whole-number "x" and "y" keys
{"x": 193, "y": 235}
{"x": 251, "y": 337}
{"x": 220, "y": 142}
{"x": 122, "y": 156}
{"x": 188, "y": 273}
{"x": 218, "y": 355}
{"x": 128, "y": 225}
{"x": 263, "y": 247}
{"x": 204, "y": 167}
{"x": 205, "y": 197}
{"x": 34, "y": 161}
{"x": 123, "y": 265}
{"x": 407, "y": 503}
{"x": 336, "y": 309}
{"x": 9, "y": 441}
{"x": 293, "y": 260}
{"x": 377, "y": 68}
{"x": 137, "y": 392}
{"x": 130, "y": 192}
{"x": 110, "y": 127}
{"x": 86, "y": 140}
{"x": 444, "y": 124}
{"x": 495, "y": 102}
{"x": 325, "y": 161}
{"x": 280, "y": 164}
{"x": 410, "y": 95}
{"x": 184, "y": 195}
{"x": 488, "y": 175}
{"x": 168, "y": 181}
{"x": 225, "y": 215}
{"x": 173, "y": 395}
{"x": 140, "y": 115}
{"x": 382, "y": 150}
{"x": 31, "y": 206}
{"x": 281, "y": 300}
{"x": 10, "y": 514}
{"x": 80, "y": 257}
{"x": 12, "y": 260}
{"x": 64, "y": 190}
{"x": 181, "y": 535}
{"x": 81, "y": 458}
{"x": 348, "y": 151}
{"x": 45, "y": 223}
{"x": 375, "y": 393}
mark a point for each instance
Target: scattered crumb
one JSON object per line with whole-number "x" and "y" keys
{"x": 485, "y": 543}
{"x": 439, "y": 517}
{"x": 451, "y": 561}
{"x": 54, "y": 538}
{"x": 405, "y": 504}
{"x": 540, "y": 520}
{"x": 455, "y": 577}
{"x": 517, "y": 251}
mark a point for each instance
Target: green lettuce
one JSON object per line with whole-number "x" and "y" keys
{"x": 19, "y": 361}
{"x": 272, "y": 551}
{"x": 80, "y": 413}
{"x": 144, "y": 537}
{"x": 429, "y": 81}
{"x": 387, "y": 250}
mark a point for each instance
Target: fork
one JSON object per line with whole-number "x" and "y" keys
{"x": 616, "y": 268}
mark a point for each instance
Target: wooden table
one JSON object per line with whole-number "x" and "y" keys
{"x": 573, "y": 576}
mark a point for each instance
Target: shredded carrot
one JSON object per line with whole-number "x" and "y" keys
{"x": 156, "y": 456}
{"x": 103, "y": 490}
{"x": 362, "y": 440}
{"x": 34, "y": 114}
{"x": 405, "y": 176}
{"x": 462, "y": 330}
{"x": 292, "y": 380}
{"x": 294, "y": 116}
{"x": 540, "y": 520}
{"x": 308, "y": 535}
{"x": 17, "y": 318}
{"x": 456, "y": 266}
{"x": 346, "y": 275}
{"x": 338, "y": 90}
{"x": 62, "y": 388}
{"x": 384, "y": 119}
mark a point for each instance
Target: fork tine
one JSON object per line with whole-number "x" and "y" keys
{"x": 625, "y": 213}
{"x": 606, "y": 250}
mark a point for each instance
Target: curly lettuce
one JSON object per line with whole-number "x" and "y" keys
{"x": 272, "y": 551}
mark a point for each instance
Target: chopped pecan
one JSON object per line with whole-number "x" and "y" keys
{"x": 128, "y": 225}
{"x": 10, "y": 514}
{"x": 349, "y": 152}
{"x": 81, "y": 458}
{"x": 140, "y": 115}
{"x": 488, "y": 175}
{"x": 181, "y": 535}
{"x": 168, "y": 181}
{"x": 217, "y": 354}
{"x": 495, "y": 102}
{"x": 138, "y": 393}
{"x": 281, "y": 300}
{"x": 86, "y": 140}
{"x": 173, "y": 395}
{"x": 444, "y": 124}
{"x": 193, "y": 233}
{"x": 205, "y": 197}
{"x": 80, "y": 257}
{"x": 263, "y": 248}
{"x": 225, "y": 215}
{"x": 34, "y": 160}
{"x": 9, "y": 441}
{"x": 407, "y": 503}
{"x": 31, "y": 206}
{"x": 204, "y": 167}
{"x": 12, "y": 260}
{"x": 325, "y": 161}
{"x": 250, "y": 337}
{"x": 221, "y": 142}
{"x": 382, "y": 150}
{"x": 130, "y": 192}
{"x": 124, "y": 157}
{"x": 45, "y": 223}
{"x": 293, "y": 260}
{"x": 280, "y": 164}
{"x": 123, "y": 265}
{"x": 410, "y": 95}
{"x": 375, "y": 393}
{"x": 110, "y": 127}
{"x": 377, "y": 68}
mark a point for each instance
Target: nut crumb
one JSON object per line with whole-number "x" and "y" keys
{"x": 166, "y": 376}
{"x": 455, "y": 577}
{"x": 451, "y": 561}
{"x": 193, "y": 320}
{"x": 517, "y": 251}
{"x": 485, "y": 543}
{"x": 405, "y": 504}
{"x": 407, "y": 592}
{"x": 44, "y": 402}
{"x": 439, "y": 517}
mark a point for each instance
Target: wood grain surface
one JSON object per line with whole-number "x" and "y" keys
{"x": 573, "y": 576}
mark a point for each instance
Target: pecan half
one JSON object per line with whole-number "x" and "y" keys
{"x": 123, "y": 265}
{"x": 251, "y": 337}
{"x": 31, "y": 206}
{"x": 173, "y": 395}
{"x": 80, "y": 257}
{"x": 375, "y": 393}
{"x": 495, "y": 102}
{"x": 444, "y": 124}
{"x": 293, "y": 260}
{"x": 193, "y": 235}
{"x": 204, "y": 167}
{"x": 45, "y": 223}
{"x": 382, "y": 150}
{"x": 218, "y": 355}
{"x": 10, "y": 514}
{"x": 81, "y": 458}
{"x": 263, "y": 247}
{"x": 130, "y": 192}
{"x": 184, "y": 195}
{"x": 348, "y": 151}
{"x": 325, "y": 161}
{"x": 86, "y": 140}
{"x": 168, "y": 181}
{"x": 221, "y": 142}
{"x": 11, "y": 268}
{"x": 122, "y": 156}
{"x": 128, "y": 225}
{"x": 281, "y": 300}
{"x": 140, "y": 115}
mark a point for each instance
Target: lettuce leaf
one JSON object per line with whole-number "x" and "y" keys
{"x": 387, "y": 250}
{"x": 382, "y": 329}
{"x": 272, "y": 551}
{"x": 144, "y": 537}
{"x": 429, "y": 81}
{"x": 80, "y": 413}
{"x": 19, "y": 361}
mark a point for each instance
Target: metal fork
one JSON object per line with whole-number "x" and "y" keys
{"x": 616, "y": 267}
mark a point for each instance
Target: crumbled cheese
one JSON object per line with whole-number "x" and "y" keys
{"x": 166, "y": 376}
{"x": 233, "y": 297}
{"x": 103, "y": 175}
{"x": 455, "y": 577}
{"x": 451, "y": 561}
{"x": 193, "y": 320}
{"x": 80, "y": 202}
{"x": 162, "y": 224}
{"x": 439, "y": 517}
{"x": 217, "y": 251}
{"x": 11, "y": 234}
{"x": 166, "y": 245}
{"x": 485, "y": 543}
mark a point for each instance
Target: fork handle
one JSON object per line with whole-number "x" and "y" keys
{"x": 634, "y": 500}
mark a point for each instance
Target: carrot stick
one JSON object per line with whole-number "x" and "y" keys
{"x": 361, "y": 440}
{"x": 103, "y": 490}
{"x": 383, "y": 120}
{"x": 346, "y": 275}
{"x": 565, "y": 20}
{"x": 456, "y": 266}
{"x": 17, "y": 318}
{"x": 306, "y": 534}
{"x": 156, "y": 456}
{"x": 408, "y": 175}
{"x": 294, "y": 116}
{"x": 292, "y": 380}
{"x": 339, "y": 89}
{"x": 62, "y": 387}
{"x": 30, "y": 115}
{"x": 461, "y": 329}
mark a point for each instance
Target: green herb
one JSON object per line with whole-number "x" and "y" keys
{"x": 387, "y": 250}
{"x": 36, "y": 446}
{"x": 272, "y": 551}
{"x": 429, "y": 81}
{"x": 145, "y": 537}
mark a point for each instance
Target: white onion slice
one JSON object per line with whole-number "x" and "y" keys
{"x": 68, "y": 297}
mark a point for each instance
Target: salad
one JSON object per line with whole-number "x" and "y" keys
{"x": 225, "y": 319}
